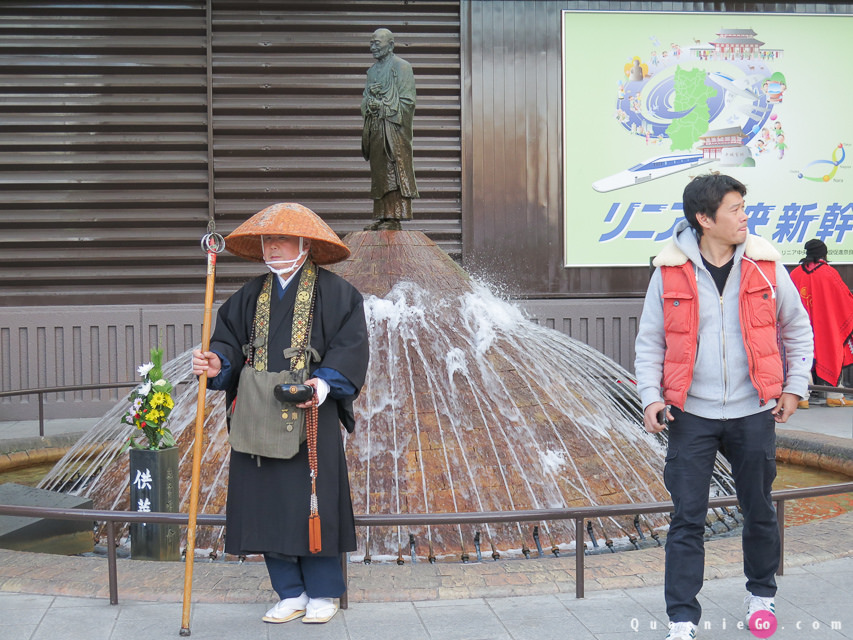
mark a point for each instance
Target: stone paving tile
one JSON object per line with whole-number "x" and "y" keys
{"x": 94, "y": 623}
{"x": 392, "y": 621}
{"x": 212, "y": 621}
{"x": 469, "y": 621}
{"x": 538, "y": 617}
{"x": 25, "y": 616}
{"x": 603, "y": 612}
{"x": 76, "y": 602}
{"x": 24, "y": 601}
{"x": 17, "y": 631}
{"x": 810, "y": 588}
{"x": 160, "y": 623}
{"x": 548, "y": 628}
{"x": 131, "y": 611}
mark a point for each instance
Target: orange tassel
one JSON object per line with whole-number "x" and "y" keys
{"x": 314, "y": 540}
{"x": 315, "y": 543}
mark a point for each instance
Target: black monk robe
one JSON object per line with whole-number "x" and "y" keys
{"x": 268, "y": 505}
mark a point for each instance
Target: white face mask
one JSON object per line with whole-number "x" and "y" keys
{"x": 290, "y": 265}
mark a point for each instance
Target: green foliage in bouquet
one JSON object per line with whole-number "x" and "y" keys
{"x": 150, "y": 405}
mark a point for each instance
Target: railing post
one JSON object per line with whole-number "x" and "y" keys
{"x": 344, "y": 597}
{"x": 780, "y": 519}
{"x": 580, "y": 546}
{"x": 111, "y": 561}
{"x": 41, "y": 414}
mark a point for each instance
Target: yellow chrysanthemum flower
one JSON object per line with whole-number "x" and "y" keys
{"x": 159, "y": 399}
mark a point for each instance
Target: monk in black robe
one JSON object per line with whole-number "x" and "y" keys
{"x": 268, "y": 498}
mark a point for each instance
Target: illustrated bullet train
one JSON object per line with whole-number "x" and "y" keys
{"x": 650, "y": 169}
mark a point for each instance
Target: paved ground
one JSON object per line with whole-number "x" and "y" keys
{"x": 66, "y": 598}
{"x": 813, "y": 602}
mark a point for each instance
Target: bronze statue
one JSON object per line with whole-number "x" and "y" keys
{"x": 388, "y": 108}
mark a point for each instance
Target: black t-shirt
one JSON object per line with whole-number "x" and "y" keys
{"x": 719, "y": 274}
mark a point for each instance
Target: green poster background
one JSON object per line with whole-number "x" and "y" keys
{"x": 805, "y": 193}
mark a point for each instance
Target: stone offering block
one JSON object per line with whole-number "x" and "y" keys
{"x": 43, "y": 535}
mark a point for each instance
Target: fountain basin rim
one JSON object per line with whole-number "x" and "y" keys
{"x": 816, "y": 451}
{"x": 50, "y": 452}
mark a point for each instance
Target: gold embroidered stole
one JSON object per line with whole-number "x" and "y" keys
{"x": 303, "y": 312}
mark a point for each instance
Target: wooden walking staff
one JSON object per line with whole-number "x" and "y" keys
{"x": 212, "y": 243}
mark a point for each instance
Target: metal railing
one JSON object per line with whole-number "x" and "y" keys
{"x": 578, "y": 514}
{"x": 41, "y": 392}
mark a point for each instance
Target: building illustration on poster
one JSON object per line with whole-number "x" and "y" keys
{"x": 726, "y": 99}
{"x": 675, "y": 99}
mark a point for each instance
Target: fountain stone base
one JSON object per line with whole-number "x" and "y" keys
{"x": 42, "y": 535}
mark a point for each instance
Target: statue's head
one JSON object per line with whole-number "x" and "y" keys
{"x": 381, "y": 43}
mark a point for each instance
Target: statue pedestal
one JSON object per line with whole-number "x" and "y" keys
{"x": 154, "y": 487}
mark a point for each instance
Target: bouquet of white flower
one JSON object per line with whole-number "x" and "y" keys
{"x": 150, "y": 405}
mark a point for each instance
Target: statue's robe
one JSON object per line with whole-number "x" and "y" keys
{"x": 387, "y": 135}
{"x": 268, "y": 503}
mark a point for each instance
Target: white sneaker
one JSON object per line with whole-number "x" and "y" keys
{"x": 755, "y": 604}
{"x": 320, "y": 610}
{"x": 681, "y": 631}
{"x": 287, "y": 609}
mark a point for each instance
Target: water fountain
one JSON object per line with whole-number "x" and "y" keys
{"x": 468, "y": 406}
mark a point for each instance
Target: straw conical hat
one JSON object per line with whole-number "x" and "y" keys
{"x": 287, "y": 219}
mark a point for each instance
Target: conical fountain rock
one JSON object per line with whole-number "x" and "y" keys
{"x": 382, "y": 259}
{"x": 469, "y": 406}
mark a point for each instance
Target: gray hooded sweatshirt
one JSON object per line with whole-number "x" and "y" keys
{"x": 721, "y": 388}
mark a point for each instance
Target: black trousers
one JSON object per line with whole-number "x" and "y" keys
{"x": 749, "y": 444}
{"x": 318, "y": 576}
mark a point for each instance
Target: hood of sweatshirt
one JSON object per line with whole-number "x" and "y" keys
{"x": 685, "y": 246}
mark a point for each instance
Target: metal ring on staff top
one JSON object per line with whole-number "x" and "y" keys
{"x": 212, "y": 242}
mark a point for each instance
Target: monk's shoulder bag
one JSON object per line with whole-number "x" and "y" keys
{"x": 265, "y": 419}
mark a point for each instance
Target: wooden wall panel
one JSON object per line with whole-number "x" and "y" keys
{"x": 80, "y": 345}
{"x": 610, "y": 326}
{"x": 103, "y": 148}
{"x": 124, "y": 126}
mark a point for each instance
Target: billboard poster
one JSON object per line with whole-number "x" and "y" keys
{"x": 652, "y": 99}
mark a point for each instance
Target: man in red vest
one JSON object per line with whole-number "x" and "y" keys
{"x": 707, "y": 356}
{"x": 829, "y": 304}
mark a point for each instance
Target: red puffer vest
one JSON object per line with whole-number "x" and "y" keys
{"x": 757, "y": 321}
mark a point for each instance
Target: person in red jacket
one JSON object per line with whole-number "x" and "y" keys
{"x": 830, "y": 307}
